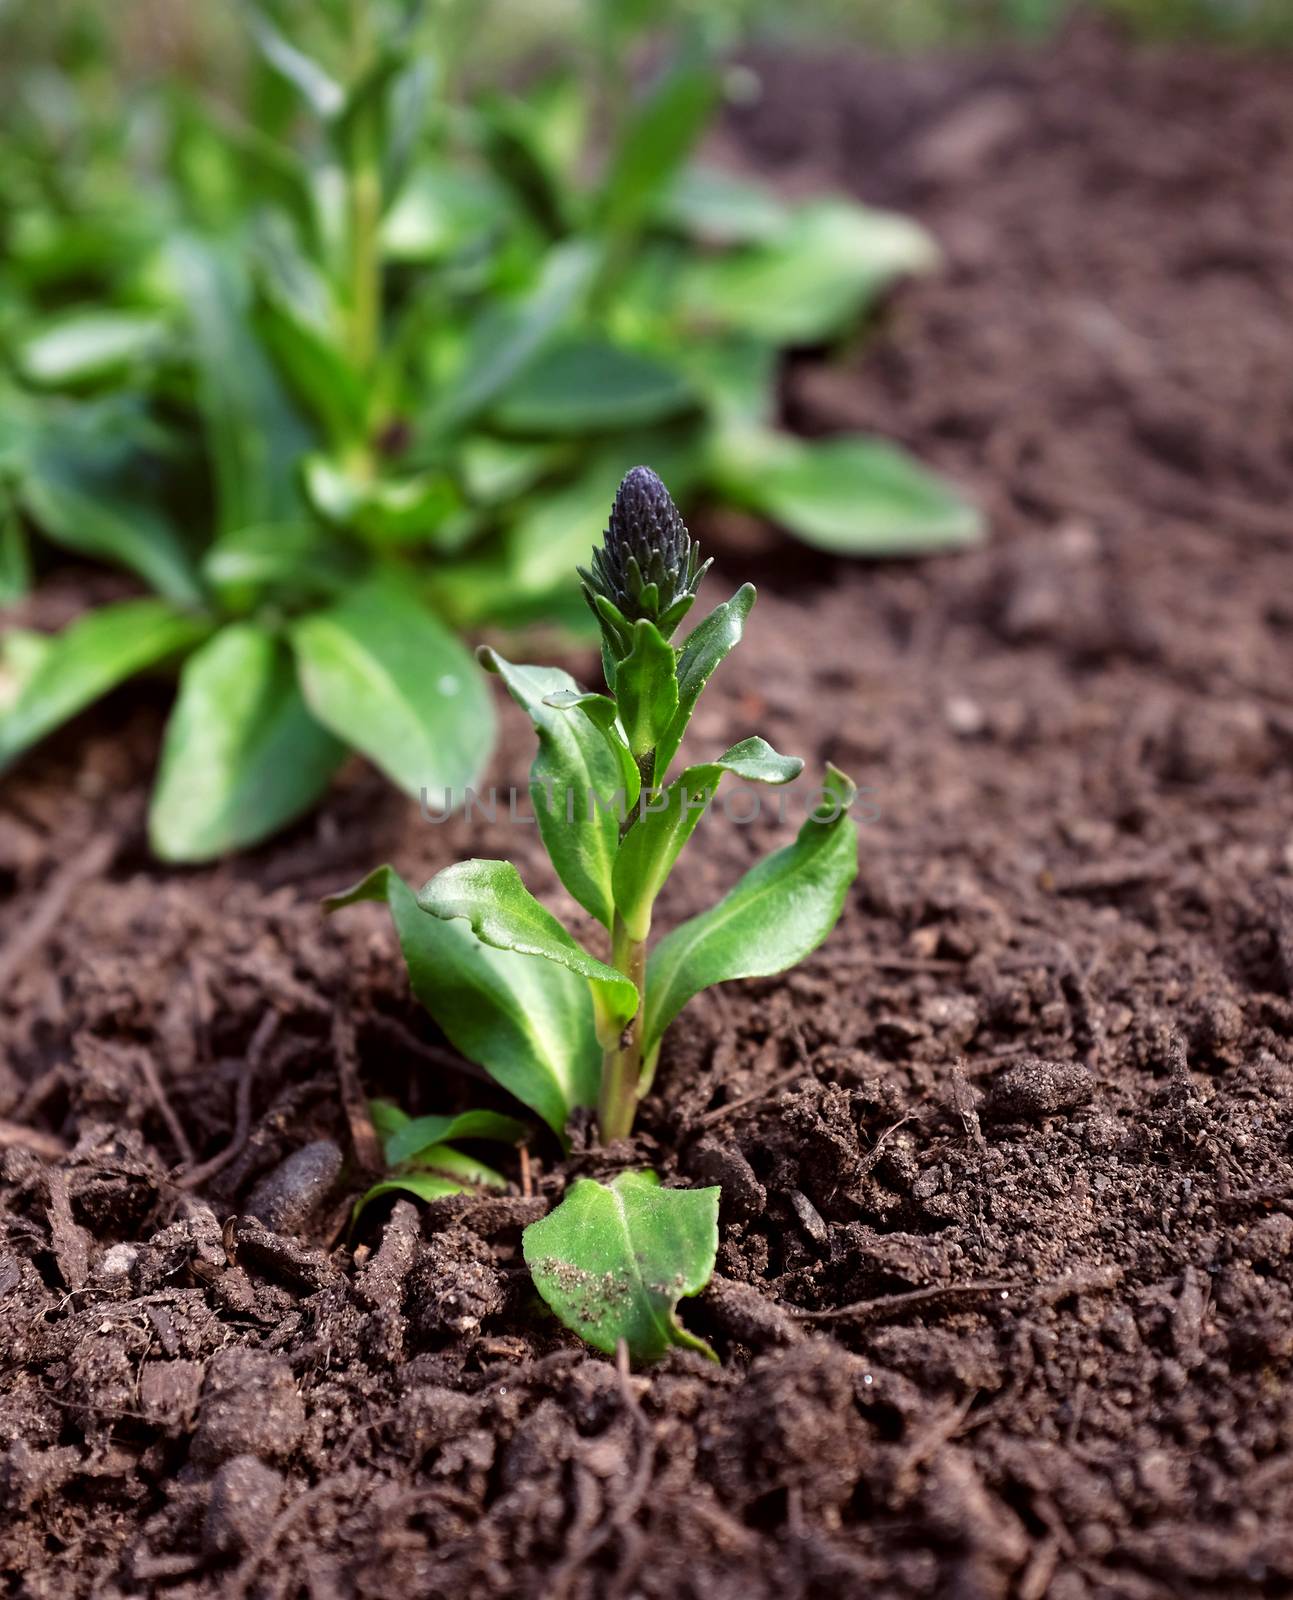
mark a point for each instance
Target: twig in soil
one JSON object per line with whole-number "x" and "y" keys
{"x": 174, "y": 1127}
{"x": 885, "y": 1307}
{"x": 35, "y": 929}
{"x": 44, "y": 1145}
{"x": 527, "y": 1182}
{"x": 70, "y": 1241}
{"x": 363, "y": 1136}
{"x": 260, "y": 1042}
{"x": 781, "y": 1081}
{"x": 877, "y": 1149}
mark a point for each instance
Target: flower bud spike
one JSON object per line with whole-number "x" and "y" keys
{"x": 648, "y": 567}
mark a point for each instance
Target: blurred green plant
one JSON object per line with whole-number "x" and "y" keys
{"x": 364, "y": 365}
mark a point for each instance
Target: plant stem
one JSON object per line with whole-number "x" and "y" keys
{"x": 622, "y": 1063}
{"x": 365, "y": 209}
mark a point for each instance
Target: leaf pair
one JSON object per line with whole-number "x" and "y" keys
{"x": 421, "y": 1159}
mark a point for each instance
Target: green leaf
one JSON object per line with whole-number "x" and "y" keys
{"x": 84, "y": 347}
{"x": 440, "y": 211}
{"x": 812, "y": 279}
{"x": 654, "y": 842}
{"x": 319, "y": 373}
{"x": 502, "y": 913}
{"x": 646, "y": 689}
{"x": 95, "y": 654}
{"x": 852, "y": 496}
{"x": 573, "y": 780}
{"x": 423, "y": 508}
{"x": 708, "y": 644}
{"x": 406, "y": 1140}
{"x": 613, "y": 1260}
{"x": 588, "y": 385}
{"x": 255, "y": 435}
{"x": 313, "y": 82}
{"x": 242, "y": 755}
{"x": 21, "y": 652}
{"x": 528, "y": 1023}
{"x": 15, "y": 558}
{"x": 780, "y": 911}
{"x": 508, "y": 336}
{"x": 720, "y": 208}
{"x": 441, "y": 1171}
{"x": 384, "y": 674}
{"x": 658, "y": 136}
{"x": 603, "y": 713}
{"x": 300, "y": 558}
{"x": 737, "y": 375}
{"x": 94, "y": 516}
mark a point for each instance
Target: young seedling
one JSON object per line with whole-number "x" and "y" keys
{"x": 560, "y": 1027}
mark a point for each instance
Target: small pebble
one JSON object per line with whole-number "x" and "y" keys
{"x": 245, "y": 1497}
{"x": 288, "y": 1197}
{"x": 1036, "y": 1089}
{"x": 250, "y": 1406}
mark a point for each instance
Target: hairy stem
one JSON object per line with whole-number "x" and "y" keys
{"x": 622, "y": 1063}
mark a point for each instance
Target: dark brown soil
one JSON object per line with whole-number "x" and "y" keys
{"x": 1004, "y": 1300}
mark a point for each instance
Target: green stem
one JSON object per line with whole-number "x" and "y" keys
{"x": 365, "y": 211}
{"x": 622, "y": 1062}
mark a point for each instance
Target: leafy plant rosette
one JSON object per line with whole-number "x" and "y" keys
{"x": 562, "y": 1029}
{"x": 362, "y": 366}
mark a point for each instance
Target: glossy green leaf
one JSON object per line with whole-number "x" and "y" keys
{"x": 708, "y": 644}
{"x": 84, "y": 347}
{"x": 652, "y": 845}
{"x": 255, "y": 434}
{"x": 780, "y": 911}
{"x": 812, "y": 279}
{"x": 658, "y": 135}
{"x": 646, "y": 689}
{"x": 91, "y": 656}
{"x": 509, "y": 335}
{"x": 384, "y": 674}
{"x": 527, "y": 1022}
{"x": 502, "y": 913}
{"x": 242, "y": 755}
{"x": 589, "y": 385}
{"x": 613, "y": 1260}
{"x": 97, "y": 517}
{"x": 444, "y": 1171}
{"x": 603, "y": 713}
{"x": 573, "y": 781}
{"x": 406, "y": 1140}
{"x": 852, "y": 496}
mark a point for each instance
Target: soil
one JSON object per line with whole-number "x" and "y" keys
{"x": 1003, "y": 1298}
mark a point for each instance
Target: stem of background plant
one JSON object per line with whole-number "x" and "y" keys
{"x": 365, "y": 183}
{"x": 617, "y": 1102}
